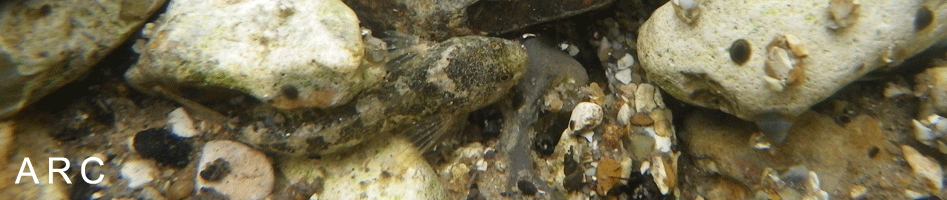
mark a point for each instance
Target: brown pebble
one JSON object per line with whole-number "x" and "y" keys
{"x": 181, "y": 188}
{"x": 641, "y": 119}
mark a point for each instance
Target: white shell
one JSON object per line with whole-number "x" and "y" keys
{"x": 922, "y": 133}
{"x": 644, "y": 98}
{"x": 624, "y": 114}
{"x": 938, "y": 123}
{"x": 659, "y": 174}
{"x": 585, "y": 115}
{"x": 924, "y": 167}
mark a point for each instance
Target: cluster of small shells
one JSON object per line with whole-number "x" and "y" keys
{"x": 639, "y": 139}
{"x": 779, "y": 185}
{"x": 616, "y": 136}
{"x": 686, "y": 10}
{"x": 931, "y": 127}
{"x": 784, "y": 62}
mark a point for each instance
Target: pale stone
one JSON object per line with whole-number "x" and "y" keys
{"x": 691, "y": 61}
{"x": 289, "y": 53}
{"x": 382, "y": 169}
{"x": 138, "y": 173}
{"x": 250, "y": 176}
{"x": 924, "y": 166}
{"x": 47, "y": 44}
{"x": 181, "y": 124}
{"x": 932, "y": 89}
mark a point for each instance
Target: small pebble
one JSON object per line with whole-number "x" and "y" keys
{"x": 894, "y": 90}
{"x": 925, "y": 167}
{"x": 181, "y": 123}
{"x": 641, "y": 119}
{"x": 162, "y": 146}
{"x": 526, "y": 187}
{"x": 180, "y": 189}
{"x": 858, "y": 192}
{"x": 138, "y": 173}
{"x": 249, "y": 168}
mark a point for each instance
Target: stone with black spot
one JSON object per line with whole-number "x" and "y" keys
{"x": 699, "y": 63}
{"x": 250, "y": 171}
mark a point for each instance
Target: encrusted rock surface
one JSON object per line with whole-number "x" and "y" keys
{"x": 46, "y": 44}
{"x": 289, "y": 53}
{"x": 381, "y": 169}
{"x": 766, "y": 58}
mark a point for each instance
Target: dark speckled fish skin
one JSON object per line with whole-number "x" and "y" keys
{"x": 424, "y": 94}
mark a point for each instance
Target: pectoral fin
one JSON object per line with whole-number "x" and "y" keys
{"x": 432, "y": 130}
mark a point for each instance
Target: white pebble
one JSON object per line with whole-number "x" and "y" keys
{"x": 626, "y": 62}
{"x": 624, "y": 114}
{"x": 659, "y": 174}
{"x": 573, "y": 50}
{"x": 858, "y": 192}
{"x": 644, "y": 98}
{"x": 924, "y": 166}
{"x": 138, "y": 173}
{"x": 938, "y": 123}
{"x": 482, "y": 165}
{"x": 624, "y": 76}
{"x": 181, "y": 123}
{"x": 894, "y": 90}
{"x": 251, "y": 175}
{"x": 924, "y": 134}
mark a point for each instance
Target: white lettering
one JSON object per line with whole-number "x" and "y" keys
{"x": 26, "y": 163}
{"x": 86, "y": 178}
{"x": 60, "y": 171}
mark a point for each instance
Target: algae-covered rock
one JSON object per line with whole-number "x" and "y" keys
{"x": 767, "y": 60}
{"x": 289, "y": 53}
{"x": 46, "y": 44}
